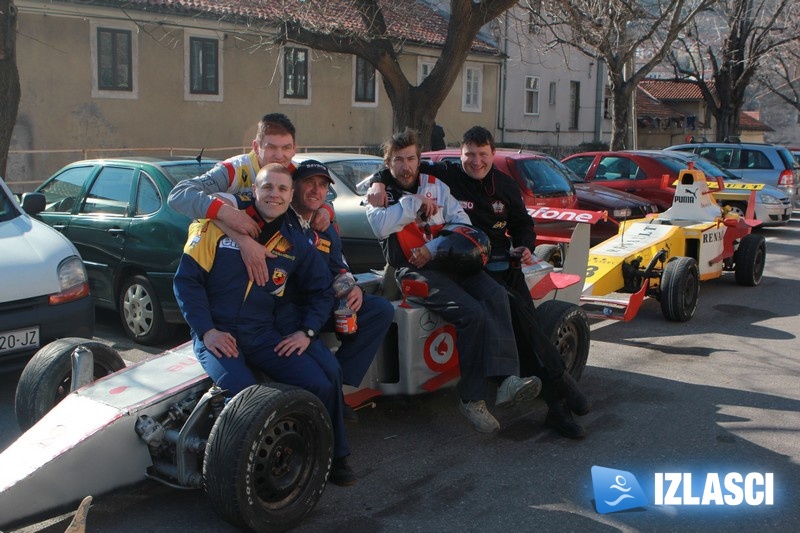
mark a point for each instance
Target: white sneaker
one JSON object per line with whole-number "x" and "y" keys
{"x": 477, "y": 413}
{"x": 515, "y": 390}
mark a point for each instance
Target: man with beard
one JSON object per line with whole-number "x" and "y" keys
{"x": 419, "y": 206}
{"x": 494, "y": 204}
{"x": 233, "y": 321}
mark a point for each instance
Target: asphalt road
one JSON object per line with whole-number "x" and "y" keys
{"x": 718, "y": 394}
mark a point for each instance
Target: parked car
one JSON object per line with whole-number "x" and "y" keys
{"x": 541, "y": 179}
{"x": 796, "y": 154}
{"x": 115, "y": 212}
{"x": 640, "y": 172}
{"x": 44, "y": 294}
{"x": 765, "y": 163}
{"x": 619, "y": 205}
{"x": 351, "y": 173}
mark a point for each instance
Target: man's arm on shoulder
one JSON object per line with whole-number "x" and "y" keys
{"x": 193, "y": 198}
{"x": 385, "y": 221}
{"x": 453, "y": 212}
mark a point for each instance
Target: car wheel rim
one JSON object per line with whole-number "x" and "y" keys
{"x": 138, "y": 309}
{"x": 283, "y": 461}
{"x": 567, "y": 343}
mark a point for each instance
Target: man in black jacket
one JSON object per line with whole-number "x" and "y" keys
{"x": 494, "y": 204}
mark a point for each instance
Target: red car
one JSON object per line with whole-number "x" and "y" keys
{"x": 539, "y": 176}
{"x": 640, "y": 172}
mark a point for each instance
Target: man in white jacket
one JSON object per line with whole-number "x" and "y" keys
{"x": 408, "y": 228}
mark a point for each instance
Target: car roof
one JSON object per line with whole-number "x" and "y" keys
{"x": 507, "y": 152}
{"x": 164, "y": 161}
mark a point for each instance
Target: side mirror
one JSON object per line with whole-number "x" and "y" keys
{"x": 33, "y": 203}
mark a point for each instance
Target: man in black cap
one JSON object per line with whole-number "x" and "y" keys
{"x": 374, "y": 313}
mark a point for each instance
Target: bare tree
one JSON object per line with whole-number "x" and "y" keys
{"x": 9, "y": 78}
{"x": 362, "y": 28}
{"x": 780, "y": 74}
{"x": 727, "y": 48}
{"x": 618, "y": 32}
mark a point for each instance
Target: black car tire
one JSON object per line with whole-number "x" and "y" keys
{"x": 550, "y": 253}
{"x": 749, "y": 260}
{"x": 47, "y": 378}
{"x": 680, "y": 286}
{"x": 268, "y": 457}
{"x": 567, "y": 326}
{"x": 141, "y": 314}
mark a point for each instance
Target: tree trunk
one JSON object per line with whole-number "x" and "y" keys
{"x": 620, "y": 108}
{"x": 9, "y": 78}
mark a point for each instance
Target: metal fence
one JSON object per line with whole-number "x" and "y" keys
{"x": 27, "y": 169}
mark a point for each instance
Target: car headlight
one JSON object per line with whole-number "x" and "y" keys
{"x": 621, "y": 213}
{"x": 768, "y": 199}
{"x": 73, "y": 280}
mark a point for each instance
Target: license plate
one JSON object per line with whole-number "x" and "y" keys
{"x": 19, "y": 339}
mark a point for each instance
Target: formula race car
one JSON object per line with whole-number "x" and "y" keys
{"x": 263, "y": 457}
{"x": 665, "y": 256}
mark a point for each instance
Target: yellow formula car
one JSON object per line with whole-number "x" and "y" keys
{"x": 665, "y": 256}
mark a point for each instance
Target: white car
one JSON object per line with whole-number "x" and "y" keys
{"x": 45, "y": 290}
{"x": 351, "y": 173}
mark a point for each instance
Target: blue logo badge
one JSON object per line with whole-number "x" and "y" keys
{"x": 616, "y": 490}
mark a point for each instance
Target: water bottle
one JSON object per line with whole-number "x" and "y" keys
{"x": 346, "y": 323}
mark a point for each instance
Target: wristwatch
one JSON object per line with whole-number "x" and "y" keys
{"x": 310, "y": 333}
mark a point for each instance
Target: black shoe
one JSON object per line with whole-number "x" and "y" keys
{"x": 560, "y": 419}
{"x": 341, "y": 473}
{"x": 576, "y": 400}
{"x": 349, "y": 414}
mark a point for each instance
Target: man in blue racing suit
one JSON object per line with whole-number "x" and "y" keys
{"x": 233, "y": 321}
{"x": 374, "y": 314}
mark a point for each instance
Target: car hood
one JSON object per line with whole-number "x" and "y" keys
{"x": 606, "y": 197}
{"x": 31, "y": 269}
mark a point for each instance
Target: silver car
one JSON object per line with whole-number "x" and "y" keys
{"x": 773, "y": 207}
{"x": 760, "y": 162}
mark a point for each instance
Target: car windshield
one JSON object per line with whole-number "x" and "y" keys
{"x": 189, "y": 169}
{"x": 571, "y": 174}
{"x": 355, "y": 173}
{"x": 8, "y": 207}
{"x": 544, "y": 177}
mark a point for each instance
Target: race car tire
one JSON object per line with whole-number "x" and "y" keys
{"x": 680, "y": 286}
{"x": 567, "y": 326}
{"x": 749, "y": 260}
{"x": 47, "y": 378}
{"x": 268, "y": 457}
{"x": 141, "y": 314}
{"x": 550, "y": 253}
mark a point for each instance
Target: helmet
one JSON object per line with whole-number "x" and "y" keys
{"x": 460, "y": 249}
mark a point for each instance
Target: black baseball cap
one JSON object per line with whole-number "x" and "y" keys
{"x": 309, "y": 168}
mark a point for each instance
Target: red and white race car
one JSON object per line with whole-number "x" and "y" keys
{"x": 264, "y": 457}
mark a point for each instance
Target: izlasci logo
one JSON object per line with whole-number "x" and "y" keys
{"x": 616, "y": 490}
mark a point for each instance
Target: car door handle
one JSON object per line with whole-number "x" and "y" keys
{"x": 59, "y": 227}
{"x": 116, "y": 231}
